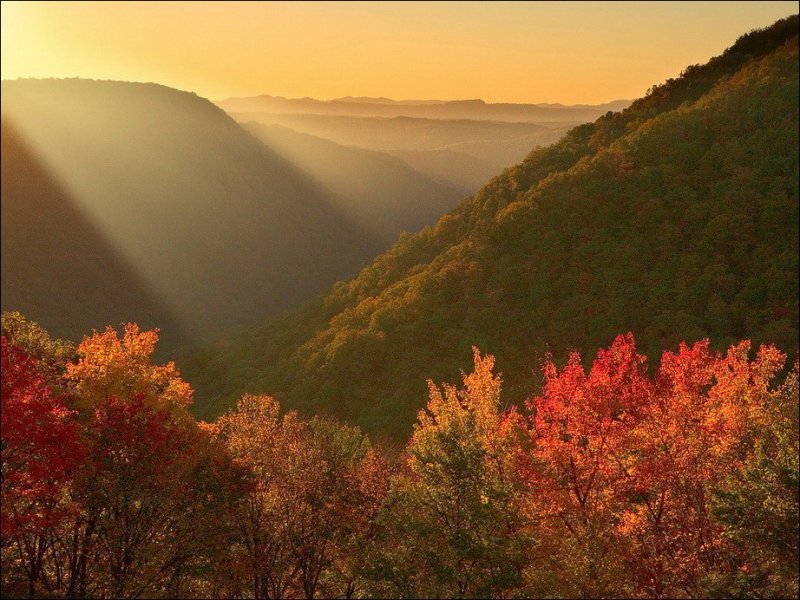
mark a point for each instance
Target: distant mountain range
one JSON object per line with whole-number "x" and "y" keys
{"x": 460, "y": 153}
{"x": 424, "y": 109}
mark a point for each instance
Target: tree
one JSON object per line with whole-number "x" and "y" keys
{"x": 651, "y": 485}
{"x": 452, "y": 525}
{"x": 147, "y": 475}
{"x": 755, "y": 502}
{"x": 313, "y": 491}
{"x": 41, "y": 448}
{"x": 581, "y": 428}
{"x": 122, "y": 367}
{"x": 279, "y": 462}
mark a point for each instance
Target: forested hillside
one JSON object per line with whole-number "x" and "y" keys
{"x": 676, "y": 218}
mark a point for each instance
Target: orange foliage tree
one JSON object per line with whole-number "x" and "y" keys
{"x": 313, "y": 489}
{"x": 146, "y": 488}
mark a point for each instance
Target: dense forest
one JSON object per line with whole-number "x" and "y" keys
{"x": 612, "y": 482}
{"x": 676, "y": 219}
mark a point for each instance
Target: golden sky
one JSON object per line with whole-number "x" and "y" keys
{"x": 569, "y": 52}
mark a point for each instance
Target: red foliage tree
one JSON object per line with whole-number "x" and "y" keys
{"x": 41, "y": 447}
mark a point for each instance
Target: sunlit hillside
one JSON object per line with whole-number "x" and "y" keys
{"x": 676, "y": 219}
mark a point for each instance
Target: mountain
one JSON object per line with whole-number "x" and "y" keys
{"x": 55, "y": 262}
{"x": 488, "y": 146}
{"x": 676, "y": 218}
{"x": 381, "y": 193}
{"x": 384, "y": 100}
{"x": 167, "y": 204}
{"x": 423, "y": 109}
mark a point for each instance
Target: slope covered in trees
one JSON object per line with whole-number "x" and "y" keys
{"x": 676, "y": 218}
{"x": 193, "y": 213}
{"x": 381, "y": 193}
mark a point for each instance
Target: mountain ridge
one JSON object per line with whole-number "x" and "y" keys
{"x": 474, "y": 109}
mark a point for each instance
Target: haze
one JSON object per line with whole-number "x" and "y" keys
{"x": 573, "y": 52}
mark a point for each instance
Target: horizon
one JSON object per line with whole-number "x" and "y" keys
{"x": 354, "y": 99}
{"x": 503, "y": 52}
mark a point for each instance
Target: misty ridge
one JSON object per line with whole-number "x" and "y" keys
{"x": 460, "y": 143}
{"x": 477, "y": 110}
{"x": 460, "y": 153}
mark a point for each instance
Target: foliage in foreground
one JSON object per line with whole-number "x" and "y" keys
{"x": 611, "y": 482}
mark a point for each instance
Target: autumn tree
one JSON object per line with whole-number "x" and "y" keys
{"x": 41, "y": 448}
{"x": 581, "y": 428}
{"x": 260, "y": 562}
{"x": 629, "y": 468}
{"x": 51, "y": 355}
{"x": 755, "y": 502}
{"x": 146, "y": 477}
{"x": 709, "y": 412}
{"x": 452, "y": 525}
{"x": 339, "y": 511}
{"x": 310, "y": 502}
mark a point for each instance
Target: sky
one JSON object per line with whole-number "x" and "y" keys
{"x": 568, "y": 52}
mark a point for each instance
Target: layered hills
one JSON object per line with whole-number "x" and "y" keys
{"x": 459, "y": 153}
{"x": 425, "y": 109}
{"x": 380, "y": 192}
{"x": 676, "y": 218}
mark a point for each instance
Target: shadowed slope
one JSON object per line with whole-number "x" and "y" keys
{"x": 380, "y": 192}
{"x": 218, "y": 226}
{"x": 57, "y": 265}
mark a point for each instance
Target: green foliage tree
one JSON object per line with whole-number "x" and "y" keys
{"x": 756, "y": 504}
